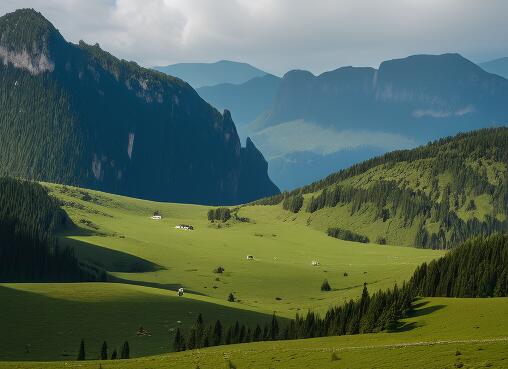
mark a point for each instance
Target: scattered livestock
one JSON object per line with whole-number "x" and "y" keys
{"x": 250, "y": 257}
{"x": 315, "y": 263}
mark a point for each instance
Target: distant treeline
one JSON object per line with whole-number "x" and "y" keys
{"x": 344, "y": 234}
{"x": 478, "y": 268}
{"x": 28, "y": 250}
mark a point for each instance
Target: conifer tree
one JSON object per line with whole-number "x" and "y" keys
{"x": 274, "y": 328}
{"x": 125, "y": 351}
{"x": 104, "y": 351}
{"x": 217, "y": 333}
{"x": 81, "y": 354}
{"x": 325, "y": 286}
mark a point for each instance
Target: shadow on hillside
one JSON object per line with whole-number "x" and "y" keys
{"x": 163, "y": 286}
{"x": 419, "y": 309}
{"x": 108, "y": 259}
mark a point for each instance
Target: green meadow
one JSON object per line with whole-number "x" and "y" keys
{"x": 441, "y": 333}
{"x": 152, "y": 259}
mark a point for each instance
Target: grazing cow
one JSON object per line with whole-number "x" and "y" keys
{"x": 250, "y": 257}
{"x": 180, "y": 291}
{"x": 315, "y": 263}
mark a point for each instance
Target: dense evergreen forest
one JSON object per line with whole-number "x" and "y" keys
{"x": 76, "y": 115}
{"x": 28, "y": 250}
{"x": 477, "y": 268}
{"x": 475, "y": 163}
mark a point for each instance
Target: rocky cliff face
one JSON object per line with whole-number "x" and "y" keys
{"x": 409, "y": 96}
{"x": 75, "y": 114}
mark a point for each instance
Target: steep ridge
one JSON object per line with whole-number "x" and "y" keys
{"x": 75, "y": 114}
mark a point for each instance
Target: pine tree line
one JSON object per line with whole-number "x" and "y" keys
{"x": 478, "y": 268}
{"x": 344, "y": 234}
{"x": 292, "y": 203}
{"x": 28, "y": 250}
{"x": 124, "y": 353}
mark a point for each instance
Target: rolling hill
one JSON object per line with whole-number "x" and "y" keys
{"x": 435, "y": 196}
{"x": 75, "y": 114}
{"x": 211, "y": 74}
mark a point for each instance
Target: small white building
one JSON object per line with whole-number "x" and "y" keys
{"x": 184, "y": 227}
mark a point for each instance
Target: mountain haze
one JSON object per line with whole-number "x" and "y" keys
{"x": 246, "y": 101}
{"x": 75, "y": 114}
{"x": 403, "y": 103}
{"x": 210, "y": 74}
{"x": 497, "y": 66}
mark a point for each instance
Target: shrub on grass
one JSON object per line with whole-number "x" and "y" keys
{"x": 326, "y": 286}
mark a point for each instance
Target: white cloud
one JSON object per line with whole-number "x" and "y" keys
{"x": 279, "y": 35}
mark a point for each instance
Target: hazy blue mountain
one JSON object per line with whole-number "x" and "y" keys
{"x": 77, "y": 115}
{"x": 297, "y": 169}
{"x": 246, "y": 101}
{"x": 210, "y": 74}
{"x": 497, "y": 66}
{"x": 404, "y": 103}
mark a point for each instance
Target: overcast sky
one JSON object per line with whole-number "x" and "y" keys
{"x": 279, "y": 35}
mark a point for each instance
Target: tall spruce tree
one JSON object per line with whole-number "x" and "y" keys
{"x": 104, "y": 351}
{"x": 81, "y": 353}
{"x": 126, "y": 351}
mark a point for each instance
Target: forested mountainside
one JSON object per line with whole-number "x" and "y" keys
{"x": 28, "y": 251}
{"x": 74, "y": 114}
{"x": 436, "y": 196}
{"x": 400, "y": 105}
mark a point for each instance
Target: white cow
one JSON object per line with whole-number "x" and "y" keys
{"x": 180, "y": 291}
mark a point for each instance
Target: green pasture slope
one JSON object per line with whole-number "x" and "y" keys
{"x": 47, "y": 321}
{"x": 442, "y": 333}
{"x": 280, "y": 279}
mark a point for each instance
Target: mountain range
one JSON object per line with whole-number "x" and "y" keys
{"x": 316, "y": 124}
{"x": 211, "y": 74}
{"x": 75, "y": 114}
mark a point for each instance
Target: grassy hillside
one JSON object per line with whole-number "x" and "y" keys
{"x": 442, "y": 333}
{"x": 434, "y": 196}
{"x": 118, "y": 234}
{"x": 47, "y": 321}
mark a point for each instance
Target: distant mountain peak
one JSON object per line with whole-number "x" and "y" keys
{"x": 211, "y": 74}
